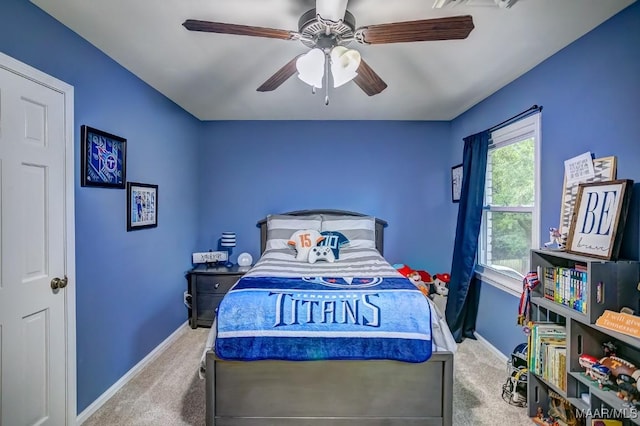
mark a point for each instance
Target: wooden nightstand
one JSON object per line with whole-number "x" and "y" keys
{"x": 207, "y": 287}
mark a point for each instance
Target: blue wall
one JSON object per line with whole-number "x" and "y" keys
{"x": 590, "y": 92}
{"x": 397, "y": 171}
{"x": 129, "y": 284}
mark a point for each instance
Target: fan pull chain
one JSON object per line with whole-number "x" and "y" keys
{"x": 326, "y": 78}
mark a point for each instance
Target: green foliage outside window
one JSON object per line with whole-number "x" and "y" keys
{"x": 512, "y": 185}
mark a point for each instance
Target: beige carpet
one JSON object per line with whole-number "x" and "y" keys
{"x": 169, "y": 391}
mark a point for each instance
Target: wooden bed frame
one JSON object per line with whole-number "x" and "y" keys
{"x": 329, "y": 392}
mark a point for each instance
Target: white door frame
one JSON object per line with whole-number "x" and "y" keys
{"x": 66, "y": 90}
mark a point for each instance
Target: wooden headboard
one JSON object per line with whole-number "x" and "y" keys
{"x": 380, "y": 225}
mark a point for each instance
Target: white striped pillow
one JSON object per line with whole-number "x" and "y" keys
{"x": 360, "y": 230}
{"x": 280, "y": 228}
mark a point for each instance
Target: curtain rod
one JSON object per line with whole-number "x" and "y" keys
{"x": 533, "y": 108}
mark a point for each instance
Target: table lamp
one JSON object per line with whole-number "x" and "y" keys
{"x": 228, "y": 242}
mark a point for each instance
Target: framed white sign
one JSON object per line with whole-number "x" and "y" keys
{"x": 599, "y": 216}
{"x": 604, "y": 169}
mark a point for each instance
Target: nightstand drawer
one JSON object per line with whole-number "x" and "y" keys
{"x": 219, "y": 284}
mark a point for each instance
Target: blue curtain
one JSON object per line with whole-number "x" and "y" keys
{"x": 464, "y": 288}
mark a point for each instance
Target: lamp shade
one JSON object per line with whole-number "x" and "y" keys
{"x": 310, "y": 67}
{"x": 344, "y": 64}
{"x": 228, "y": 239}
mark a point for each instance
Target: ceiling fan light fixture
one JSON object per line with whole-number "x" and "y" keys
{"x": 331, "y": 10}
{"x": 344, "y": 65}
{"x": 310, "y": 67}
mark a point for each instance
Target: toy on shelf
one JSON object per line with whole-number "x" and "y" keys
{"x": 609, "y": 349}
{"x": 601, "y": 374}
{"x": 614, "y": 372}
{"x": 627, "y": 388}
{"x": 555, "y": 239}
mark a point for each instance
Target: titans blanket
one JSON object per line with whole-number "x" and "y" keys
{"x": 324, "y": 318}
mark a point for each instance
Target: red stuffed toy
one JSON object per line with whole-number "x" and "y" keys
{"x": 429, "y": 285}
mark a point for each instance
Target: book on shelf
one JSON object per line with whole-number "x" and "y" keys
{"x": 548, "y": 352}
{"x": 566, "y": 286}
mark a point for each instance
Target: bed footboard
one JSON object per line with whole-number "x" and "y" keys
{"x": 329, "y": 393}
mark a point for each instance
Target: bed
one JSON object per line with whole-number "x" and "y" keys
{"x": 296, "y": 386}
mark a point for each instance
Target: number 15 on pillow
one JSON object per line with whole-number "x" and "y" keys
{"x": 303, "y": 240}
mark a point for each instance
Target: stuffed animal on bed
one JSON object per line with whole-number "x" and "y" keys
{"x": 414, "y": 277}
{"x": 429, "y": 285}
{"x": 303, "y": 241}
{"x": 441, "y": 284}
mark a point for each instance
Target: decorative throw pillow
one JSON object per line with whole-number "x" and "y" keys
{"x": 334, "y": 240}
{"x": 303, "y": 241}
{"x": 360, "y": 230}
{"x": 281, "y": 226}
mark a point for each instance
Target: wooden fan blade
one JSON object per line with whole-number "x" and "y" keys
{"x": 452, "y": 28}
{"x": 222, "y": 28}
{"x": 368, "y": 80}
{"x": 280, "y": 76}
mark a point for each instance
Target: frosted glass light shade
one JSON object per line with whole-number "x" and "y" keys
{"x": 344, "y": 64}
{"x": 310, "y": 67}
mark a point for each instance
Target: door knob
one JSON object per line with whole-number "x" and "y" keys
{"x": 57, "y": 283}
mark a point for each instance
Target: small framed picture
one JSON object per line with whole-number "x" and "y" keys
{"x": 103, "y": 159}
{"x": 456, "y": 183}
{"x": 142, "y": 206}
{"x": 599, "y": 217}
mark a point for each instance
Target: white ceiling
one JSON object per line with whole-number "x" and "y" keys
{"x": 215, "y": 76}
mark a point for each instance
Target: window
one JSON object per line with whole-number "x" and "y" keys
{"x": 511, "y": 217}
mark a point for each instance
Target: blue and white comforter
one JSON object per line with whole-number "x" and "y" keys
{"x": 329, "y": 316}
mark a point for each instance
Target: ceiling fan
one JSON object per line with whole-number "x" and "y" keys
{"x": 327, "y": 30}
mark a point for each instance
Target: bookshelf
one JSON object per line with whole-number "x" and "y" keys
{"x": 574, "y": 292}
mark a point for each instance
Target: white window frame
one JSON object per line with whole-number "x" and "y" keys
{"x": 520, "y": 130}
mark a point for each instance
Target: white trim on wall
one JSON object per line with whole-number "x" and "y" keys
{"x": 129, "y": 375}
{"x": 492, "y": 348}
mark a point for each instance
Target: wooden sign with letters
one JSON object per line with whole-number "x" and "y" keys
{"x": 622, "y": 323}
{"x": 598, "y": 219}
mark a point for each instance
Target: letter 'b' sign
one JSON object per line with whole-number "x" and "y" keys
{"x": 598, "y": 219}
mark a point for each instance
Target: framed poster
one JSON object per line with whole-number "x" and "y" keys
{"x": 142, "y": 206}
{"x": 604, "y": 170}
{"x": 103, "y": 159}
{"x": 456, "y": 183}
{"x": 599, "y": 218}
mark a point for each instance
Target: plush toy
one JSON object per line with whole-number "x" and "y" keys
{"x": 303, "y": 241}
{"x": 441, "y": 283}
{"x": 555, "y": 239}
{"x": 415, "y": 278}
{"x": 403, "y": 269}
{"x": 428, "y": 284}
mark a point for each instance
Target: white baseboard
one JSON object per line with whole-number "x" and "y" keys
{"x": 492, "y": 348}
{"x": 102, "y": 399}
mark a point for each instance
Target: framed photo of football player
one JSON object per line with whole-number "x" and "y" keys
{"x": 103, "y": 159}
{"x": 142, "y": 206}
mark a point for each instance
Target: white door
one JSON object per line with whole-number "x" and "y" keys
{"x": 33, "y": 228}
